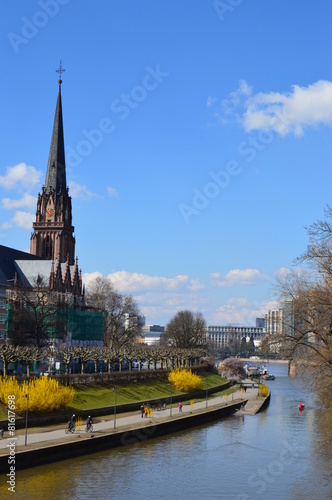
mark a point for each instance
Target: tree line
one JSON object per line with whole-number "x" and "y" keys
{"x": 166, "y": 357}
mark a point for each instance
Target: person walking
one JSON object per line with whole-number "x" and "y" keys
{"x": 180, "y": 407}
{"x": 89, "y": 422}
{"x": 146, "y": 411}
{"x": 142, "y": 409}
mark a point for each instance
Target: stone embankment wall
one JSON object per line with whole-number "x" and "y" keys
{"x": 56, "y": 452}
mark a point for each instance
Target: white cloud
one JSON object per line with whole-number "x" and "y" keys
{"x": 6, "y": 225}
{"x": 160, "y": 298}
{"x": 283, "y": 272}
{"x": 81, "y": 192}
{"x": 23, "y": 219}
{"x": 234, "y": 99}
{"x": 283, "y": 113}
{"x": 20, "y": 176}
{"x": 237, "y": 277}
{"x": 290, "y": 112}
{"x": 27, "y": 201}
{"x": 112, "y": 192}
{"x": 130, "y": 282}
{"x": 157, "y": 296}
{"x": 196, "y": 285}
{"x": 239, "y": 311}
{"x": 210, "y": 101}
{"x": 89, "y": 277}
{"x": 273, "y": 304}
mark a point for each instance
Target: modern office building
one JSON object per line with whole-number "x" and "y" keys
{"x": 274, "y": 321}
{"x": 222, "y": 336}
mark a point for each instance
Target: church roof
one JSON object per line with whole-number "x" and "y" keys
{"x": 7, "y": 258}
{"x": 56, "y": 170}
{"x": 28, "y": 271}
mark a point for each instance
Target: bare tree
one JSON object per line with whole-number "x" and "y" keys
{"x": 8, "y": 354}
{"x": 186, "y": 330}
{"x": 307, "y": 291}
{"x": 84, "y": 354}
{"x": 29, "y": 355}
{"x": 65, "y": 355}
{"x": 122, "y": 322}
{"x": 33, "y": 314}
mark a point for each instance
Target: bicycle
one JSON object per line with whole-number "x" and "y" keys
{"x": 89, "y": 428}
{"x": 70, "y": 428}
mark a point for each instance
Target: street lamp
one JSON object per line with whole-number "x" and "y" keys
{"x": 170, "y": 410}
{"x": 114, "y": 389}
{"x": 26, "y": 419}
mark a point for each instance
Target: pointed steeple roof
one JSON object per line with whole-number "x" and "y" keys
{"x": 56, "y": 169}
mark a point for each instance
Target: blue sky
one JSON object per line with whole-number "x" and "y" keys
{"x": 198, "y": 141}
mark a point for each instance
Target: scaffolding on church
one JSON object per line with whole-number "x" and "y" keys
{"x": 68, "y": 324}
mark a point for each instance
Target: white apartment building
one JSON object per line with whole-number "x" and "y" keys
{"x": 221, "y": 336}
{"x": 274, "y": 321}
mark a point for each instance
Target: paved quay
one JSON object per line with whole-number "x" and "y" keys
{"x": 55, "y": 434}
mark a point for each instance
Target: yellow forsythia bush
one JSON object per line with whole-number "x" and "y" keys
{"x": 184, "y": 380}
{"x": 263, "y": 390}
{"x": 45, "y": 394}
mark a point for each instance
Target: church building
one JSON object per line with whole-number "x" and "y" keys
{"x": 52, "y": 262}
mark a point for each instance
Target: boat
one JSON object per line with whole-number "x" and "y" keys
{"x": 255, "y": 370}
{"x": 268, "y": 376}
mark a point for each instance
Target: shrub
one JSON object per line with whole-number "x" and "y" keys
{"x": 45, "y": 394}
{"x": 185, "y": 381}
{"x": 263, "y": 390}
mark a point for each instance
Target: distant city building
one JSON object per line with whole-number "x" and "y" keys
{"x": 288, "y": 318}
{"x": 274, "y": 321}
{"x": 260, "y": 322}
{"x": 134, "y": 321}
{"x": 151, "y": 334}
{"x": 222, "y": 336}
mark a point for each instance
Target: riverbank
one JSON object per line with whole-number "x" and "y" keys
{"x": 64, "y": 415}
{"x": 52, "y": 444}
{"x": 265, "y": 361}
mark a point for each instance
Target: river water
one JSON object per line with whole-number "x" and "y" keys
{"x": 273, "y": 455}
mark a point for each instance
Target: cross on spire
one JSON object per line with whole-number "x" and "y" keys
{"x": 60, "y": 69}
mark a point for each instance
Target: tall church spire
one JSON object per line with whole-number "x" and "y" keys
{"x": 56, "y": 169}
{"x": 53, "y": 232}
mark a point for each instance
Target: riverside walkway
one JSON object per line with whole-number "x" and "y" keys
{"x": 55, "y": 434}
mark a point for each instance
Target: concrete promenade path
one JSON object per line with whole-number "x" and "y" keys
{"x": 55, "y": 434}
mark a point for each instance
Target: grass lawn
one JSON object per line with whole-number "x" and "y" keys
{"x": 100, "y": 396}
{"x": 88, "y": 397}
